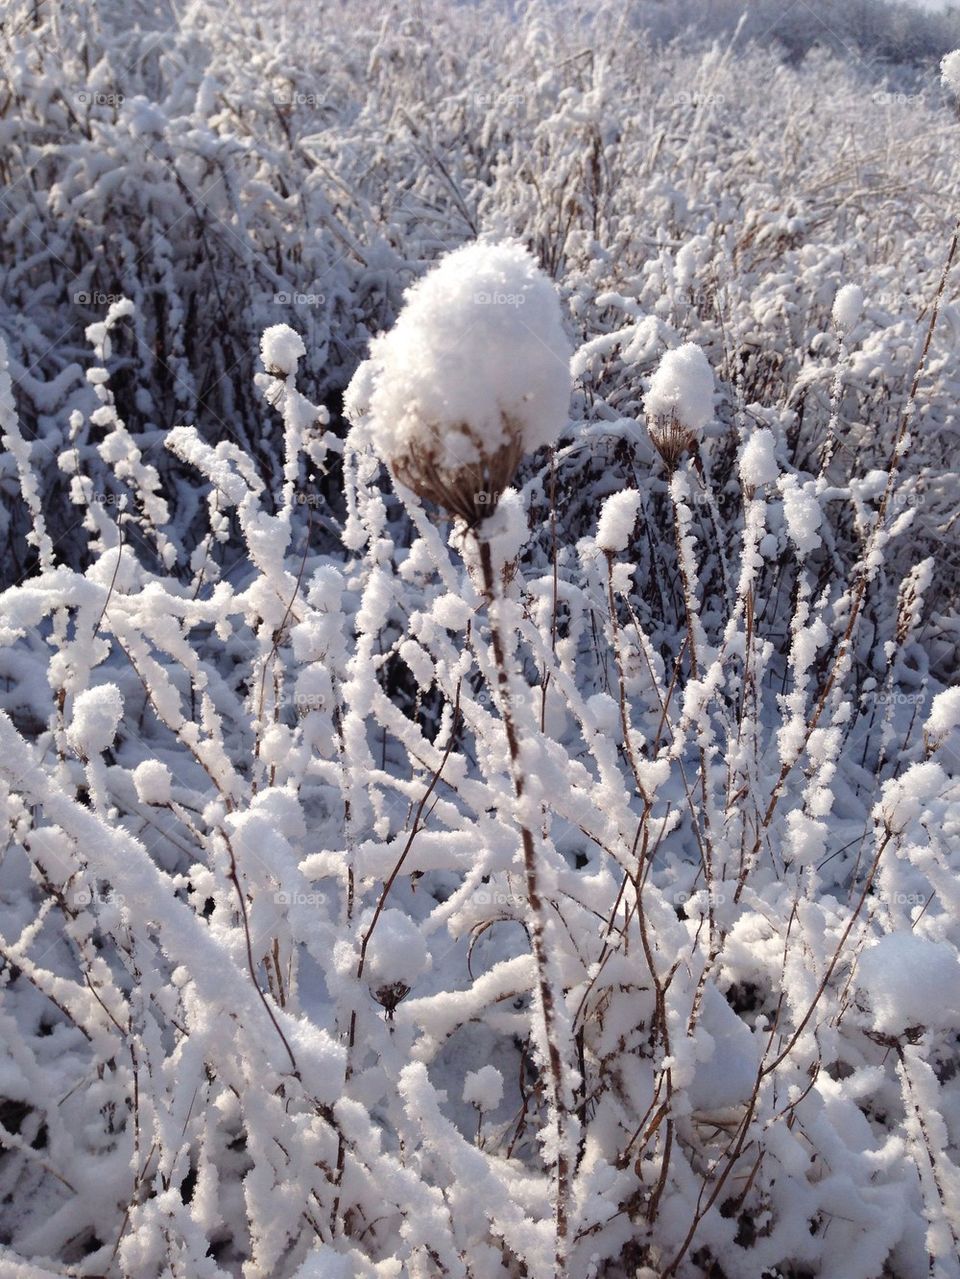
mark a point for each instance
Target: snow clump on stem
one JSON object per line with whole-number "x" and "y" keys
{"x": 474, "y": 374}
{"x": 679, "y": 402}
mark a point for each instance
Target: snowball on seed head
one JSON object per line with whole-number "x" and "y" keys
{"x": 758, "y": 463}
{"x": 474, "y": 374}
{"x": 910, "y": 981}
{"x": 280, "y": 348}
{"x": 679, "y": 402}
{"x": 615, "y": 526}
{"x": 396, "y": 951}
{"x": 847, "y": 306}
{"x": 802, "y": 512}
{"x": 96, "y": 717}
{"x": 483, "y": 1088}
{"x": 152, "y": 782}
{"x": 950, "y": 72}
{"x": 682, "y": 387}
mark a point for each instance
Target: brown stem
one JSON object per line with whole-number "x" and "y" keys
{"x": 547, "y": 1000}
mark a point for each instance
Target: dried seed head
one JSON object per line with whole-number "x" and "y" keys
{"x": 679, "y": 402}
{"x": 471, "y": 490}
{"x": 474, "y": 374}
{"x": 671, "y": 439}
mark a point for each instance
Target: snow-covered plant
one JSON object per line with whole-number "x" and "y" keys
{"x": 679, "y": 402}
{"x": 473, "y": 375}
{"x": 515, "y": 835}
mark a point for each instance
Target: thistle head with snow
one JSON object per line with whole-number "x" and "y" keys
{"x": 474, "y": 374}
{"x": 679, "y": 402}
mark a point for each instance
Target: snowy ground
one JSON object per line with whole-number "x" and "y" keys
{"x": 479, "y": 726}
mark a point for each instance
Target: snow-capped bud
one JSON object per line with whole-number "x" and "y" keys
{"x": 679, "y": 402}
{"x": 847, "y": 306}
{"x": 474, "y": 374}
{"x": 280, "y": 349}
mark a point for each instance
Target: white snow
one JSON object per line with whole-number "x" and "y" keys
{"x": 847, "y": 306}
{"x": 483, "y": 1088}
{"x": 617, "y": 520}
{"x": 944, "y": 713}
{"x": 682, "y": 386}
{"x": 152, "y": 780}
{"x": 910, "y": 981}
{"x": 345, "y": 719}
{"x": 281, "y": 348}
{"x": 727, "y": 1057}
{"x": 758, "y": 463}
{"x": 480, "y": 340}
{"x": 96, "y": 716}
{"x": 803, "y": 513}
{"x": 396, "y": 951}
{"x": 950, "y": 72}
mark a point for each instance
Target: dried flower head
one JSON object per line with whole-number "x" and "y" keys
{"x": 474, "y": 374}
{"x": 679, "y": 402}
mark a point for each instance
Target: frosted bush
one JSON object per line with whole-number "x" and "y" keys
{"x": 570, "y": 891}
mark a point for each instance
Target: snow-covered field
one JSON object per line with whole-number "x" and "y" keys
{"x": 479, "y": 630}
